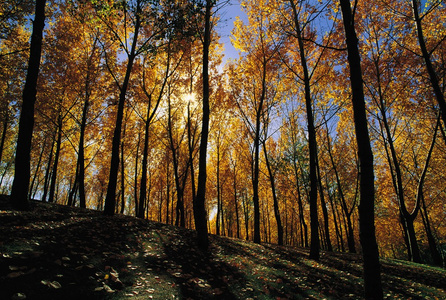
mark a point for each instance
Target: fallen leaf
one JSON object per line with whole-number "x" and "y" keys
{"x": 108, "y": 289}
{"x": 18, "y": 296}
{"x": 15, "y": 274}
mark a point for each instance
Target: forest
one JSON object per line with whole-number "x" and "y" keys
{"x": 327, "y": 131}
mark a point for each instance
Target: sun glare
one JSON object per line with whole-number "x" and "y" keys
{"x": 190, "y": 97}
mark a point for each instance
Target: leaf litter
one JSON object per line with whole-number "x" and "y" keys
{"x": 55, "y": 251}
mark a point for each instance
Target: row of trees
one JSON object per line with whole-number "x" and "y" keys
{"x": 333, "y": 112}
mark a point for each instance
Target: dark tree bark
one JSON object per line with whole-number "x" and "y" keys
{"x": 37, "y": 172}
{"x": 191, "y": 143}
{"x": 48, "y": 171}
{"x": 371, "y": 264}
{"x": 219, "y": 200}
{"x": 20, "y": 186}
{"x": 135, "y": 178}
{"x": 122, "y": 174}
{"x": 326, "y": 230}
{"x": 347, "y": 212}
{"x": 151, "y": 111}
{"x": 395, "y": 169}
{"x": 312, "y": 143}
{"x": 51, "y": 195}
{"x": 427, "y": 60}
{"x": 275, "y": 201}
{"x": 234, "y": 183}
{"x": 179, "y": 184}
{"x": 421, "y": 204}
{"x": 110, "y": 198}
{"x": 4, "y": 131}
{"x": 200, "y": 214}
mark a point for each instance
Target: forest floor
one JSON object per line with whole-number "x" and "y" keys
{"x": 57, "y": 252}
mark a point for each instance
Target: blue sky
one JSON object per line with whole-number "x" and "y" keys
{"x": 228, "y": 14}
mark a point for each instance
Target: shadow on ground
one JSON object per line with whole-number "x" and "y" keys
{"x": 57, "y": 252}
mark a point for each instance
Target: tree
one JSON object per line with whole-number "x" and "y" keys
{"x": 416, "y": 4}
{"x": 151, "y": 111}
{"x": 312, "y": 143}
{"x": 200, "y": 214}
{"x": 372, "y": 273}
{"x": 19, "y": 192}
{"x": 255, "y": 84}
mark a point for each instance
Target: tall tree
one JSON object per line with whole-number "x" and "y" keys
{"x": 255, "y": 84}
{"x": 132, "y": 52}
{"x": 312, "y": 143}
{"x": 372, "y": 273}
{"x": 19, "y": 192}
{"x": 426, "y": 54}
{"x": 199, "y": 204}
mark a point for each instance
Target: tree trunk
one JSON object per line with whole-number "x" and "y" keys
{"x": 312, "y": 143}
{"x": 200, "y": 214}
{"x": 135, "y": 178}
{"x": 179, "y": 221}
{"x": 48, "y": 171}
{"x": 275, "y": 202}
{"x": 436, "y": 256}
{"x": 256, "y": 162}
{"x": 237, "y": 220}
{"x": 56, "y": 160}
{"x": 219, "y": 210}
{"x": 122, "y": 176}
{"x": 347, "y": 212}
{"x": 167, "y": 190}
{"x": 81, "y": 155}
{"x": 36, "y": 173}
{"x": 329, "y": 247}
{"x": 110, "y": 198}
{"x": 20, "y": 186}
{"x": 372, "y": 273}
{"x": 4, "y": 131}
{"x": 427, "y": 60}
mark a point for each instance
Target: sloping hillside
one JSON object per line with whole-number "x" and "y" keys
{"x": 56, "y": 252}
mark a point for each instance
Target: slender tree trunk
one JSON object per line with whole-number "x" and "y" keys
{"x": 20, "y": 185}
{"x": 217, "y": 222}
{"x": 246, "y": 215}
{"x": 335, "y": 219}
{"x": 275, "y": 202}
{"x": 179, "y": 221}
{"x": 36, "y": 173}
{"x": 371, "y": 264}
{"x": 143, "y": 182}
{"x": 200, "y": 214}
{"x": 167, "y": 190}
{"x": 256, "y": 162}
{"x": 135, "y": 190}
{"x": 81, "y": 153}
{"x": 122, "y": 176}
{"x": 48, "y": 171}
{"x": 110, "y": 198}
{"x": 329, "y": 247}
{"x": 4, "y": 131}
{"x": 56, "y": 160}
{"x": 191, "y": 147}
{"x": 347, "y": 212}
{"x": 237, "y": 220}
{"x": 427, "y": 60}
{"x": 420, "y": 199}
{"x": 312, "y": 143}
{"x": 395, "y": 169}
{"x": 436, "y": 256}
